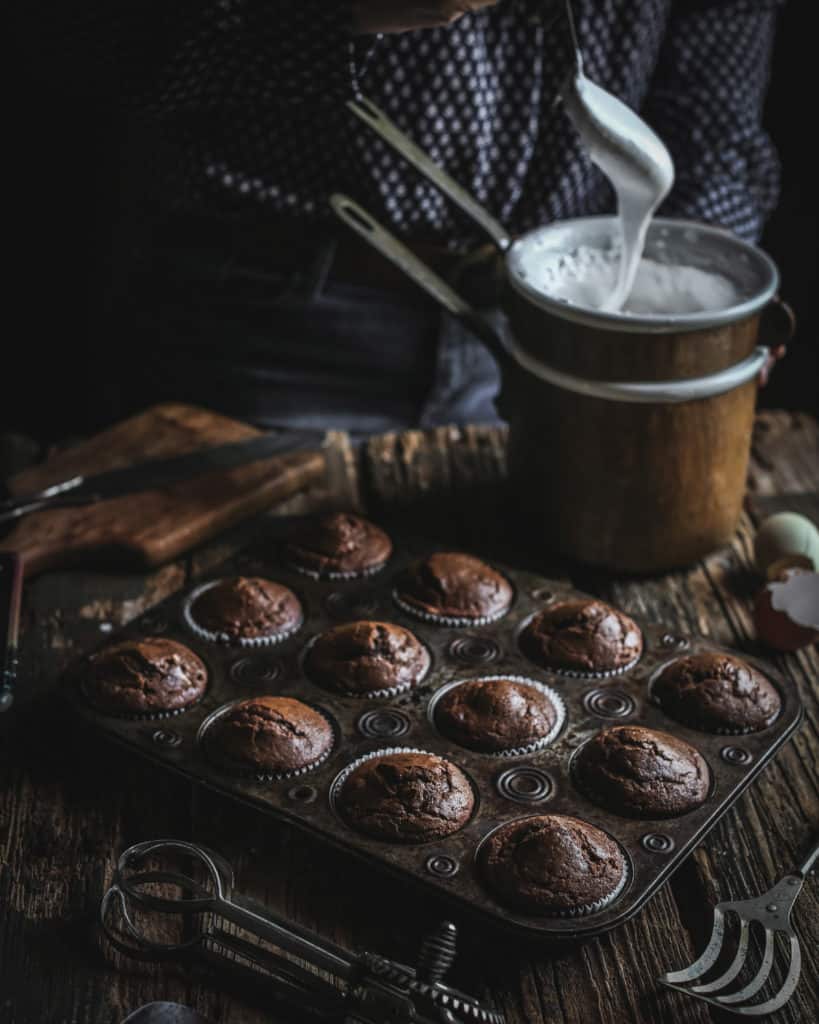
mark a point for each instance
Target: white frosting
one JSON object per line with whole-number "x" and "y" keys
{"x": 587, "y": 278}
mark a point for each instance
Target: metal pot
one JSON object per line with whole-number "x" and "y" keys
{"x": 629, "y": 435}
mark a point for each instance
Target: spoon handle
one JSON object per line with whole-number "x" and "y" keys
{"x": 578, "y": 56}
{"x": 365, "y": 110}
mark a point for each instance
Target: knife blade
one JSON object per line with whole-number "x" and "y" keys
{"x": 143, "y": 476}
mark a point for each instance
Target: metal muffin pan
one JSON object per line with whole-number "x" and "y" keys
{"x": 507, "y": 787}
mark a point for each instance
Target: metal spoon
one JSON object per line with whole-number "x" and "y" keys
{"x": 629, "y": 153}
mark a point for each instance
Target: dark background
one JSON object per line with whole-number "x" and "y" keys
{"x": 66, "y": 181}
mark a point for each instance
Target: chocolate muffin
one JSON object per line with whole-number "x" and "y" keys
{"x": 338, "y": 545}
{"x": 582, "y": 637}
{"x": 244, "y": 610}
{"x": 641, "y": 773}
{"x": 367, "y": 659}
{"x": 406, "y": 797}
{"x": 455, "y": 588}
{"x": 152, "y": 677}
{"x": 717, "y": 693}
{"x": 552, "y": 864}
{"x": 498, "y": 715}
{"x": 275, "y": 736}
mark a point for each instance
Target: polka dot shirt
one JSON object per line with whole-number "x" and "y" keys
{"x": 245, "y": 104}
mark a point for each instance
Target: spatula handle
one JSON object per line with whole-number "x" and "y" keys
{"x": 810, "y": 859}
{"x": 11, "y": 590}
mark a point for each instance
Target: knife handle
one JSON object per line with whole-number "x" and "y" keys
{"x": 11, "y": 592}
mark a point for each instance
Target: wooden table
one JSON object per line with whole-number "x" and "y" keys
{"x": 67, "y": 807}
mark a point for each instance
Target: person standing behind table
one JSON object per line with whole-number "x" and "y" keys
{"x": 240, "y": 292}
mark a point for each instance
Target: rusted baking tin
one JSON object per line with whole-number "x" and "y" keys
{"x": 507, "y": 788}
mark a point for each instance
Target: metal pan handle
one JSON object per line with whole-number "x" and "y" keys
{"x": 357, "y": 218}
{"x": 365, "y": 110}
{"x": 506, "y": 349}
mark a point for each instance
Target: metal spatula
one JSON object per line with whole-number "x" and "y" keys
{"x": 772, "y": 910}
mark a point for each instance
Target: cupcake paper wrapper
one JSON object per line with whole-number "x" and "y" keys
{"x": 747, "y": 731}
{"x": 593, "y": 908}
{"x": 568, "y": 673}
{"x": 225, "y": 639}
{"x": 385, "y": 694}
{"x": 529, "y": 748}
{"x": 259, "y": 774}
{"x": 139, "y": 716}
{"x": 315, "y": 574}
{"x": 392, "y": 691}
{"x": 382, "y": 694}
{"x": 447, "y": 620}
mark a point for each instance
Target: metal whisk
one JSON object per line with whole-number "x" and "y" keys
{"x": 362, "y": 988}
{"x": 772, "y": 910}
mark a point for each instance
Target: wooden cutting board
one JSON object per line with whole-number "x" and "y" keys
{"x": 145, "y": 529}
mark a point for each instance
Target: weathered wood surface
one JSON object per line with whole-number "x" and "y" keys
{"x": 140, "y": 531}
{"x": 66, "y": 806}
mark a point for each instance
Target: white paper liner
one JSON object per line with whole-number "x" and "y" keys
{"x": 598, "y": 905}
{"x": 140, "y": 716}
{"x": 447, "y": 620}
{"x": 315, "y": 574}
{"x": 747, "y": 730}
{"x": 243, "y": 770}
{"x": 529, "y": 748}
{"x": 589, "y": 676}
{"x": 382, "y": 694}
{"x": 225, "y": 639}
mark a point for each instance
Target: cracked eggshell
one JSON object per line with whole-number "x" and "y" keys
{"x": 786, "y": 610}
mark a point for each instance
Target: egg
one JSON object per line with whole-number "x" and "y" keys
{"x": 784, "y": 541}
{"x": 786, "y": 610}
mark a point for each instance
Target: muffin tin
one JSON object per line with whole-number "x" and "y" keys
{"x": 507, "y": 787}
